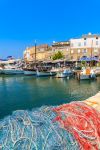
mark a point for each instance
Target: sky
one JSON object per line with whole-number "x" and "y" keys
{"x": 24, "y": 21}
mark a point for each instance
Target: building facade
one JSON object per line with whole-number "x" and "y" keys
{"x": 73, "y": 50}
{"x": 88, "y": 45}
{"x": 63, "y": 47}
{"x": 38, "y": 53}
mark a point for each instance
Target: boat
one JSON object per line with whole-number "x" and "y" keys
{"x": 97, "y": 71}
{"x": 29, "y": 72}
{"x": 65, "y": 73}
{"x": 12, "y": 69}
{"x": 52, "y": 73}
{"x": 45, "y": 71}
{"x": 86, "y": 74}
{"x": 1, "y": 70}
{"x": 42, "y": 73}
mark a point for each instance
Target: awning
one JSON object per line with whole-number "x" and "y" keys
{"x": 85, "y": 58}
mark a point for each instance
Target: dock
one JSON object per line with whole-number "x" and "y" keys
{"x": 94, "y": 101}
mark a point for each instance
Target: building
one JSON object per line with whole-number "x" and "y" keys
{"x": 63, "y": 47}
{"x": 73, "y": 50}
{"x": 38, "y": 53}
{"x": 88, "y": 46}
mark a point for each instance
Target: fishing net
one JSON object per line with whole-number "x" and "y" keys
{"x": 74, "y": 126}
{"x": 82, "y": 121}
{"x": 34, "y": 130}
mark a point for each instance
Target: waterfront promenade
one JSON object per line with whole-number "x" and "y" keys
{"x": 94, "y": 101}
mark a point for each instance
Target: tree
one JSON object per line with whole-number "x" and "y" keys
{"x": 58, "y": 55}
{"x": 83, "y": 63}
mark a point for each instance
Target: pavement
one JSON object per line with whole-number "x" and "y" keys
{"x": 94, "y": 101}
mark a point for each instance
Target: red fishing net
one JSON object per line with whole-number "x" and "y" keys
{"x": 82, "y": 121}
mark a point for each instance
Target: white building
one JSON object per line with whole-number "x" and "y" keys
{"x": 88, "y": 45}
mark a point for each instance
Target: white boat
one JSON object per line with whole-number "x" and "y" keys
{"x": 52, "y": 73}
{"x": 64, "y": 74}
{"x": 97, "y": 71}
{"x": 61, "y": 75}
{"x": 11, "y": 70}
{"x": 1, "y": 70}
{"x": 86, "y": 74}
{"x": 29, "y": 72}
{"x": 43, "y": 73}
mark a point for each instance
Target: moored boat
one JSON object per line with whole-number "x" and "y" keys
{"x": 86, "y": 74}
{"x": 29, "y": 72}
{"x": 45, "y": 71}
{"x": 11, "y": 70}
{"x": 63, "y": 74}
{"x": 42, "y": 73}
{"x": 1, "y": 70}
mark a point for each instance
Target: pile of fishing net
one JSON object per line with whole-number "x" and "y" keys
{"x": 74, "y": 126}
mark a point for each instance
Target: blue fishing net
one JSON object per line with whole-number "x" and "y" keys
{"x": 34, "y": 130}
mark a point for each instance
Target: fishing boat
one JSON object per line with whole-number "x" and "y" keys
{"x": 42, "y": 73}
{"x": 12, "y": 69}
{"x": 29, "y": 72}
{"x": 65, "y": 73}
{"x": 45, "y": 71}
{"x": 0, "y": 71}
{"x": 97, "y": 71}
{"x": 86, "y": 74}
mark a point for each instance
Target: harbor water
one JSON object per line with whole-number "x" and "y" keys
{"x": 26, "y": 93}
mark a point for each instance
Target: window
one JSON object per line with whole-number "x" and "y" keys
{"x": 67, "y": 49}
{"x": 84, "y": 43}
{"x": 84, "y": 38}
{"x": 96, "y": 37}
{"x": 79, "y": 50}
{"x": 84, "y": 51}
{"x": 78, "y": 57}
{"x": 79, "y": 44}
{"x": 95, "y": 50}
{"x": 72, "y": 51}
{"x": 71, "y": 57}
{"x": 72, "y": 44}
{"x": 96, "y": 42}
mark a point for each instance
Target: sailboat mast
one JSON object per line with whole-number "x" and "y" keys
{"x": 91, "y": 54}
{"x": 35, "y": 51}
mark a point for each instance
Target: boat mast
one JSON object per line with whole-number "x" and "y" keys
{"x": 91, "y": 54}
{"x": 35, "y": 51}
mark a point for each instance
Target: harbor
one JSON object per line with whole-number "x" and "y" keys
{"x": 49, "y": 75}
{"x": 29, "y": 92}
{"x": 43, "y": 127}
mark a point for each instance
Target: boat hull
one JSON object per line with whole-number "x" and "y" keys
{"x": 29, "y": 73}
{"x": 53, "y": 73}
{"x": 1, "y": 71}
{"x": 61, "y": 75}
{"x": 43, "y": 74}
{"x": 87, "y": 77}
{"x": 12, "y": 72}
